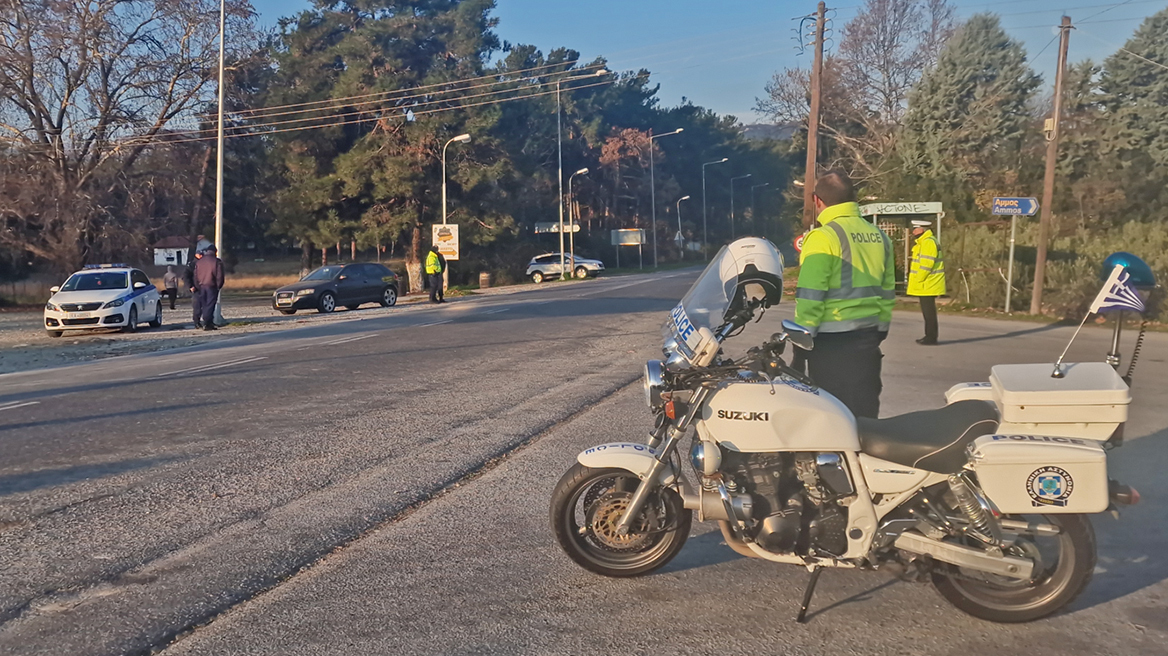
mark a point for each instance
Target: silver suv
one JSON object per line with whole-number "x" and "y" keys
{"x": 547, "y": 266}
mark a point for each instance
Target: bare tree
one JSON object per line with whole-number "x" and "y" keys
{"x": 87, "y": 87}
{"x": 883, "y": 52}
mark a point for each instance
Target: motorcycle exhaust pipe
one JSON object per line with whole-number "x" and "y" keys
{"x": 1122, "y": 495}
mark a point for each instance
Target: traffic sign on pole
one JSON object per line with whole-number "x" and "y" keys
{"x": 799, "y": 243}
{"x": 1015, "y": 206}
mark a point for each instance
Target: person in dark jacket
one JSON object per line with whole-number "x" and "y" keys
{"x": 208, "y": 281}
{"x": 189, "y": 280}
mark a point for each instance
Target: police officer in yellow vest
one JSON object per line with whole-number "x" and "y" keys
{"x": 435, "y": 265}
{"x": 926, "y": 277}
{"x": 845, "y": 294}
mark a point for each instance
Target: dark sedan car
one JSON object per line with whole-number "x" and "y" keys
{"x": 349, "y": 285}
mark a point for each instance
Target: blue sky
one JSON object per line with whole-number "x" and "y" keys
{"x": 721, "y": 58}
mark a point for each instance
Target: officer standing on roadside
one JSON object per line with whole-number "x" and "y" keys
{"x": 926, "y": 277}
{"x": 845, "y": 294}
{"x": 435, "y": 265}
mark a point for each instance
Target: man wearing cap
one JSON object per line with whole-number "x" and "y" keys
{"x": 845, "y": 294}
{"x": 208, "y": 281}
{"x": 926, "y": 277}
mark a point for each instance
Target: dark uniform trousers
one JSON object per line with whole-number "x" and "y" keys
{"x": 929, "y": 312}
{"x": 848, "y": 366}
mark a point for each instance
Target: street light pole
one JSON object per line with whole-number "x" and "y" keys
{"x": 571, "y": 221}
{"x": 732, "y": 180}
{"x": 753, "y": 213}
{"x": 680, "y": 237}
{"x": 462, "y": 138}
{"x": 560, "y": 157}
{"x": 653, "y": 188}
{"x": 705, "y": 234}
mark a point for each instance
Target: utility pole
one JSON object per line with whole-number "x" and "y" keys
{"x": 813, "y": 121}
{"x": 218, "y": 315}
{"x": 1051, "y": 160}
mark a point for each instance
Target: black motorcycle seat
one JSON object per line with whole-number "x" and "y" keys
{"x": 934, "y": 440}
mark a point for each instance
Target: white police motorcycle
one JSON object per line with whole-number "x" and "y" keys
{"x": 986, "y": 497}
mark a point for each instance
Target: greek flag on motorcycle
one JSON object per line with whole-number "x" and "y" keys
{"x": 1118, "y": 293}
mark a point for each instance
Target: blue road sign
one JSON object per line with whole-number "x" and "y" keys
{"x": 1016, "y": 206}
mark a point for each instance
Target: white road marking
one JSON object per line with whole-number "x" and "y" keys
{"x": 627, "y": 284}
{"x": 211, "y": 367}
{"x": 346, "y": 340}
{"x": 497, "y": 311}
{"x": 17, "y": 404}
{"x": 436, "y": 323}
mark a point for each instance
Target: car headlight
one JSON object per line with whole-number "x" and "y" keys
{"x": 654, "y": 382}
{"x": 304, "y": 292}
{"x": 50, "y": 306}
{"x": 117, "y": 302}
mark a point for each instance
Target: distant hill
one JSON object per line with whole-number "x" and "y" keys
{"x": 760, "y": 131}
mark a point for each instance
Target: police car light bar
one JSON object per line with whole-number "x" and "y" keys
{"x": 117, "y": 265}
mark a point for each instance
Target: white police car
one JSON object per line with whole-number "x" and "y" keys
{"x": 103, "y": 296}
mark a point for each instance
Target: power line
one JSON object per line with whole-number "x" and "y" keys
{"x": 1105, "y": 10}
{"x": 411, "y": 108}
{"x": 1052, "y": 40}
{"x": 1125, "y": 50}
{"x": 420, "y": 88}
{"x": 161, "y": 139}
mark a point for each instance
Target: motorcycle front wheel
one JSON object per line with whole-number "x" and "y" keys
{"x": 586, "y": 505}
{"x": 1064, "y": 564}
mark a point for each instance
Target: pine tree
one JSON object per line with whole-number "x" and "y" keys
{"x": 968, "y": 116}
{"x": 1134, "y": 98}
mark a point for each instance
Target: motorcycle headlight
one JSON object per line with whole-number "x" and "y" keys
{"x": 117, "y": 302}
{"x": 304, "y": 292}
{"x": 654, "y": 382}
{"x": 50, "y": 306}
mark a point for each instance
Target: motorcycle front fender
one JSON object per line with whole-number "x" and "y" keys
{"x": 630, "y": 456}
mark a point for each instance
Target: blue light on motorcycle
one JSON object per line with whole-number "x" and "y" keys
{"x": 1141, "y": 274}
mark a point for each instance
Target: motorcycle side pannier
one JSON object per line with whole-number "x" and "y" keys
{"x": 1038, "y": 474}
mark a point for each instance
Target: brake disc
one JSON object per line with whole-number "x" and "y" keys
{"x": 605, "y": 513}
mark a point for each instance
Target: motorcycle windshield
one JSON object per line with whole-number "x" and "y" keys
{"x": 703, "y": 306}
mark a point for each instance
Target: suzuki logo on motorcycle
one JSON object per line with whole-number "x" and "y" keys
{"x": 744, "y": 416}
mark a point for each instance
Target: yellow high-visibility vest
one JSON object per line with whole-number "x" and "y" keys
{"x": 433, "y": 264}
{"x": 926, "y": 272}
{"x": 846, "y": 276}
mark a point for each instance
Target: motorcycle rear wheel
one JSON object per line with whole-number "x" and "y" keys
{"x": 1057, "y": 583}
{"x": 587, "y": 503}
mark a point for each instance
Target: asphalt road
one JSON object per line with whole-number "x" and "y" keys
{"x": 341, "y": 489}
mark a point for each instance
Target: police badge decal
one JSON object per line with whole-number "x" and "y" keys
{"x": 1050, "y": 486}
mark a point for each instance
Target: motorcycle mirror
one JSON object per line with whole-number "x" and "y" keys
{"x": 798, "y": 335}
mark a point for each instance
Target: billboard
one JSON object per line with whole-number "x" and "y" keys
{"x": 445, "y": 237}
{"x": 630, "y": 237}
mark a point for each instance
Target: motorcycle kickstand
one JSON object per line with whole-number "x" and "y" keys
{"x": 801, "y": 618}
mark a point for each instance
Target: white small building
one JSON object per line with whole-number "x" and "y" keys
{"x": 172, "y": 250}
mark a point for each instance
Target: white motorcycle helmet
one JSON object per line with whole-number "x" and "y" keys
{"x": 752, "y": 272}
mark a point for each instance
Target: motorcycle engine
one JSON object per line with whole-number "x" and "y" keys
{"x": 795, "y": 508}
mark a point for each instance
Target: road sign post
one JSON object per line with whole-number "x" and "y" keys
{"x": 1014, "y": 207}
